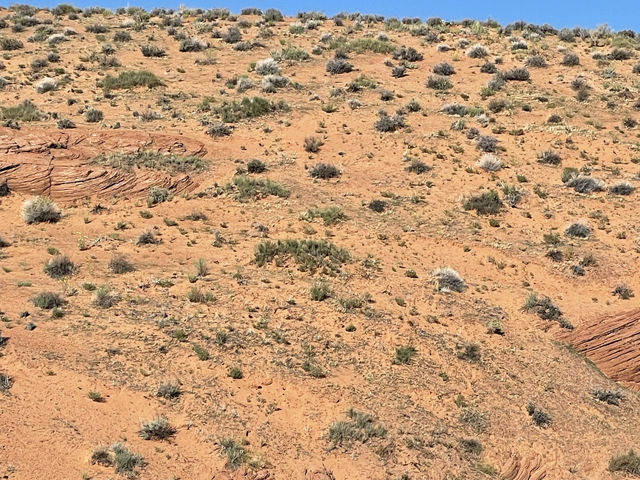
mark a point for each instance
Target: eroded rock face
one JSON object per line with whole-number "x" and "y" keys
{"x": 520, "y": 468}
{"x": 243, "y": 473}
{"x": 613, "y": 344}
{"x": 57, "y": 164}
{"x": 318, "y": 473}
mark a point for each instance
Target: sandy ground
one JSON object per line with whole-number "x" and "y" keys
{"x": 305, "y": 363}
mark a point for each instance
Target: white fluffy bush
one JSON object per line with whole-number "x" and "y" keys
{"x": 477, "y": 51}
{"x": 489, "y": 163}
{"x": 57, "y": 38}
{"x": 40, "y": 209}
{"x": 448, "y": 280}
{"x": 47, "y": 84}
{"x": 268, "y": 66}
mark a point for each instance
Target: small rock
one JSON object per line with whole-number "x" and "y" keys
{"x": 30, "y": 326}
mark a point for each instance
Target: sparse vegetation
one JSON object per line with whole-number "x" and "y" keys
{"x": 360, "y": 427}
{"x": 312, "y": 144}
{"x": 246, "y": 188}
{"x": 623, "y": 291}
{"x": 24, "y": 112}
{"x": 168, "y": 390}
{"x": 131, "y": 79}
{"x": 330, "y": 215}
{"x": 251, "y": 213}
{"x": 152, "y": 160}
{"x": 612, "y": 397}
{"x": 120, "y": 264}
{"x": 234, "y": 111}
{"x": 308, "y": 254}
{"x": 627, "y": 463}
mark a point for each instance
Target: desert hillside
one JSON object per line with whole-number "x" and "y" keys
{"x": 242, "y": 246}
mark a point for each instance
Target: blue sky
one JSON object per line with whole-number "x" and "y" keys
{"x": 619, "y": 14}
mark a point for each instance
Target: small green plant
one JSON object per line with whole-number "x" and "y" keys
{"x": 330, "y": 215}
{"x": 156, "y": 429}
{"x": 179, "y": 334}
{"x": 404, "y": 355}
{"x": 494, "y": 327}
{"x": 324, "y": 171}
{"x": 201, "y": 352}
{"x": 202, "y": 269}
{"x": 542, "y": 306}
{"x": 168, "y": 390}
{"x": 320, "y": 291}
{"x": 487, "y": 203}
{"x": 359, "y": 428}
{"x": 95, "y": 396}
{"x": 7, "y": 43}
{"x": 612, "y": 397}
{"x": 158, "y": 195}
{"x": 104, "y": 297}
{"x": 59, "y": 266}
{"x": 623, "y": 291}
{"x": 235, "y": 453}
{"x": 120, "y": 264}
{"x": 93, "y": 115}
{"x": 124, "y": 460}
{"x": 47, "y": 300}
{"x": 247, "y": 188}
{"x": 474, "y": 419}
{"x": 627, "y": 463}
{"x": 235, "y": 373}
{"x": 539, "y": 417}
{"x": 438, "y": 82}
{"x": 102, "y": 456}
{"x": 147, "y": 238}
{"x": 195, "y": 295}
